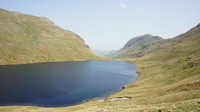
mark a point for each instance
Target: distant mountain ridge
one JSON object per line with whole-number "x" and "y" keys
{"x": 148, "y": 44}
{"x": 169, "y": 72}
{"x": 30, "y": 39}
{"x": 137, "y": 46}
{"x": 104, "y": 53}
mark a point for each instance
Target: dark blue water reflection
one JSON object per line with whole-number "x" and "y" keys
{"x": 62, "y": 83}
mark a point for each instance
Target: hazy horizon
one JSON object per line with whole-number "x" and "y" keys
{"x": 109, "y": 24}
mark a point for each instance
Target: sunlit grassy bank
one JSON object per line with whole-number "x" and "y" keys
{"x": 30, "y": 39}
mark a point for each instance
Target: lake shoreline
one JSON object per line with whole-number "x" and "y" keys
{"x": 143, "y": 98}
{"x": 61, "y": 61}
{"x": 87, "y": 100}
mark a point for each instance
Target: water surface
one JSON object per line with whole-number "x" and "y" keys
{"x": 62, "y": 83}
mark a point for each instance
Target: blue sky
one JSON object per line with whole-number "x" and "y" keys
{"x": 109, "y": 24}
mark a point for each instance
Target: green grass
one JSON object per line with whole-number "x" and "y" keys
{"x": 138, "y": 46}
{"x": 30, "y": 39}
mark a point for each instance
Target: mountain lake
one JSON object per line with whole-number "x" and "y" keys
{"x": 60, "y": 84}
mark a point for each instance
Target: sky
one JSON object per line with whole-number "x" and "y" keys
{"x": 109, "y": 24}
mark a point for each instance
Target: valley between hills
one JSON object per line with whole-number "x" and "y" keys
{"x": 168, "y": 69}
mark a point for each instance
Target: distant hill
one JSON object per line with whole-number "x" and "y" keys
{"x": 149, "y": 45}
{"x": 103, "y": 53}
{"x": 30, "y": 39}
{"x": 186, "y": 44}
{"x": 171, "y": 72}
{"x": 138, "y": 46}
{"x": 168, "y": 74}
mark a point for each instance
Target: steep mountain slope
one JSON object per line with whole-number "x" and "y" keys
{"x": 187, "y": 44}
{"x": 169, "y": 75}
{"x": 138, "y": 46}
{"x": 29, "y": 39}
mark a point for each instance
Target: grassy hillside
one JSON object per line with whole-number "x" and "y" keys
{"x": 29, "y": 39}
{"x": 169, "y": 81}
{"x": 138, "y": 46}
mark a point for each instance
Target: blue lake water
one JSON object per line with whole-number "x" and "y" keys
{"x": 62, "y": 83}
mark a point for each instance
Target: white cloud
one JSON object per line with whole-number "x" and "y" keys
{"x": 123, "y": 6}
